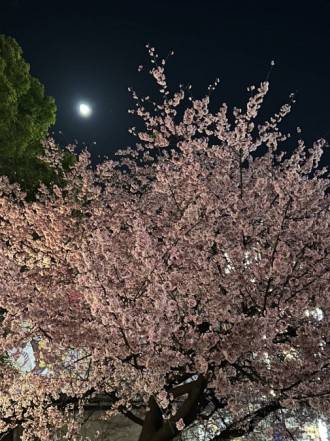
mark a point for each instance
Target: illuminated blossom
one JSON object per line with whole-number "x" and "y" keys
{"x": 188, "y": 278}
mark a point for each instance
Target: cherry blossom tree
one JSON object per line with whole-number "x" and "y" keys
{"x": 190, "y": 278}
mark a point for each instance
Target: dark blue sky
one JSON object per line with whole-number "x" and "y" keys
{"x": 91, "y": 50}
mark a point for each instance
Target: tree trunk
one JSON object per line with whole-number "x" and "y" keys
{"x": 155, "y": 428}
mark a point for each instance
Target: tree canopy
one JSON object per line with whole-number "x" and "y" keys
{"x": 26, "y": 115}
{"x": 190, "y": 278}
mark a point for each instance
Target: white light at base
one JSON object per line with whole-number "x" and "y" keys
{"x": 323, "y": 433}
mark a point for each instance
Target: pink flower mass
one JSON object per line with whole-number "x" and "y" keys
{"x": 194, "y": 274}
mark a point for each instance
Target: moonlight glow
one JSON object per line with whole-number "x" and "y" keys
{"x": 84, "y": 110}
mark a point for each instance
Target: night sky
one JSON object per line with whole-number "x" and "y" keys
{"x": 91, "y": 50}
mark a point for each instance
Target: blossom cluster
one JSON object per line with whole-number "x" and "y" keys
{"x": 201, "y": 260}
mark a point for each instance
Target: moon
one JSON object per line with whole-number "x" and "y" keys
{"x": 85, "y": 110}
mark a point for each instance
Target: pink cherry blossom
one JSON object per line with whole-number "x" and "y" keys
{"x": 180, "y": 425}
{"x": 192, "y": 282}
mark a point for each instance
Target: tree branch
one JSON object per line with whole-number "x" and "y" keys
{"x": 132, "y": 417}
{"x": 249, "y": 423}
{"x": 156, "y": 429}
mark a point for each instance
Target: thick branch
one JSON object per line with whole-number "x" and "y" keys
{"x": 248, "y": 423}
{"x": 156, "y": 429}
{"x": 132, "y": 417}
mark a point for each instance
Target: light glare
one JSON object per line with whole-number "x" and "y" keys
{"x": 85, "y": 110}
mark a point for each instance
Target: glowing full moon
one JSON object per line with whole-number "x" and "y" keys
{"x": 85, "y": 110}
